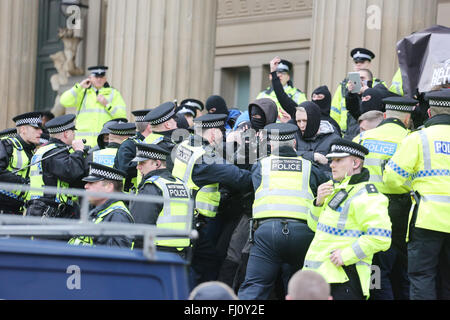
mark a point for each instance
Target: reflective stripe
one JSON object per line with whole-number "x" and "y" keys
{"x": 376, "y": 178}
{"x": 209, "y": 189}
{"x": 362, "y": 263}
{"x": 358, "y": 250}
{"x": 397, "y": 169}
{"x": 379, "y": 232}
{"x": 436, "y": 198}
{"x": 205, "y": 206}
{"x": 111, "y": 97}
{"x": 373, "y": 162}
{"x": 335, "y": 109}
{"x": 339, "y": 232}
{"x": 190, "y": 165}
{"x": 425, "y": 150}
{"x": 74, "y": 94}
{"x": 430, "y": 173}
{"x": 171, "y": 219}
{"x": 315, "y": 218}
{"x": 312, "y": 264}
{"x": 94, "y": 110}
{"x": 283, "y": 192}
{"x": 344, "y": 213}
{"x": 280, "y": 207}
{"x": 9, "y": 194}
{"x": 113, "y": 112}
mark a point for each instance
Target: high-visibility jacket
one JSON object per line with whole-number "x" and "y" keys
{"x": 424, "y": 157}
{"x": 338, "y": 109}
{"x": 37, "y": 180}
{"x": 359, "y": 226}
{"x": 19, "y": 159}
{"x": 89, "y": 241}
{"x": 293, "y": 93}
{"x": 174, "y": 214}
{"x": 207, "y": 198}
{"x": 91, "y": 114}
{"x": 397, "y": 83}
{"x": 105, "y": 156}
{"x": 284, "y": 190}
{"x": 382, "y": 142}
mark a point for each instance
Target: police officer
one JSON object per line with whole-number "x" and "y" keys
{"x": 15, "y": 157}
{"x": 8, "y": 133}
{"x": 118, "y": 133}
{"x": 55, "y": 165}
{"x": 108, "y": 180}
{"x": 158, "y": 181}
{"x": 127, "y": 149}
{"x": 283, "y": 71}
{"x": 199, "y": 164}
{"x": 382, "y": 142}
{"x": 422, "y": 159}
{"x": 362, "y": 59}
{"x": 96, "y": 103}
{"x": 285, "y": 185}
{"x": 162, "y": 123}
{"x": 351, "y": 221}
{"x": 195, "y": 104}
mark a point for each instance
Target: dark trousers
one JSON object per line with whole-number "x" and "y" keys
{"x": 350, "y": 290}
{"x": 429, "y": 264}
{"x": 280, "y": 246}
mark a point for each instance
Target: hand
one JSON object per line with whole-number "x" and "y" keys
{"x": 274, "y": 64}
{"x": 285, "y": 117}
{"x": 86, "y": 83}
{"x": 350, "y": 86}
{"x": 336, "y": 258}
{"x": 78, "y": 145}
{"x": 323, "y": 191}
{"x": 102, "y": 100}
{"x": 320, "y": 158}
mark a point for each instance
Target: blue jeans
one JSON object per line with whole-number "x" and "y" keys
{"x": 278, "y": 243}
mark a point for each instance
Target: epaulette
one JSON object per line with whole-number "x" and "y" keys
{"x": 152, "y": 179}
{"x": 268, "y": 90}
{"x": 371, "y": 188}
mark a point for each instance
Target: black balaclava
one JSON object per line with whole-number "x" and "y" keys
{"x": 313, "y": 121}
{"x": 216, "y": 102}
{"x": 325, "y": 103}
{"x": 375, "y": 102}
{"x": 257, "y": 123}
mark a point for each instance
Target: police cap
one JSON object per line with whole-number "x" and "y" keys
{"x": 362, "y": 54}
{"x": 8, "y": 133}
{"x": 122, "y": 129}
{"x": 98, "y": 71}
{"x": 61, "y": 124}
{"x": 197, "y": 104}
{"x": 341, "y": 148}
{"x": 281, "y": 131}
{"x": 139, "y": 115}
{"x": 284, "y": 66}
{"x": 146, "y": 151}
{"x": 402, "y": 104}
{"x": 210, "y": 120}
{"x": 161, "y": 113}
{"x": 98, "y": 172}
{"x": 439, "y": 98}
{"x": 33, "y": 119}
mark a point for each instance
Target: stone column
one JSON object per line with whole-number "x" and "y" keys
{"x": 341, "y": 25}
{"x": 18, "y": 38}
{"x": 160, "y": 50}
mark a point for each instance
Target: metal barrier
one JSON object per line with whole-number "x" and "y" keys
{"x": 39, "y": 226}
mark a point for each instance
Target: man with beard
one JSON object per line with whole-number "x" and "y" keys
{"x": 15, "y": 156}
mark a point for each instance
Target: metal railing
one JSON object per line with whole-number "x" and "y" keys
{"x": 47, "y": 226}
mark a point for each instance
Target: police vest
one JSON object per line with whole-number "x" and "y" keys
{"x": 284, "y": 190}
{"x": 89, "y": 241}
{"x": 105, "y": 156}
{"x": 18, "y": 160}
{"x": 338, "y": 109}
{"x": 174, "y": 214}
{"x": 91, "y": 114}
{"x": 207, "y": 198}
{"x": 359, "y": 224}
{"x": 397, "y": 83}
{"x": 424, "y": 158}
{"x": 382, "y": 142}
{"x": 293, "y": 93}
{"x": 37, "y": 180}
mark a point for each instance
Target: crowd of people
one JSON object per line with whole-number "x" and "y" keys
{"x": 351, "y": 189}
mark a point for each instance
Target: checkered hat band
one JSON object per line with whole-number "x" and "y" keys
{"x": 105, "y": 174}
{"x": 139, "y": 118}
{"x": 439, "y": 103}
{"x": 130, "y": 132}
{"x": 28, "y": 121}
{"x": 397, "y": 107}
{"x": 61, "y": 128}
{"x": 347, "y": 149}
{"x": 151, "y": 155}
{"x": 163, "y": 119}
{"x": 281, "y": 137}
{"x": 210, "y": 124}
